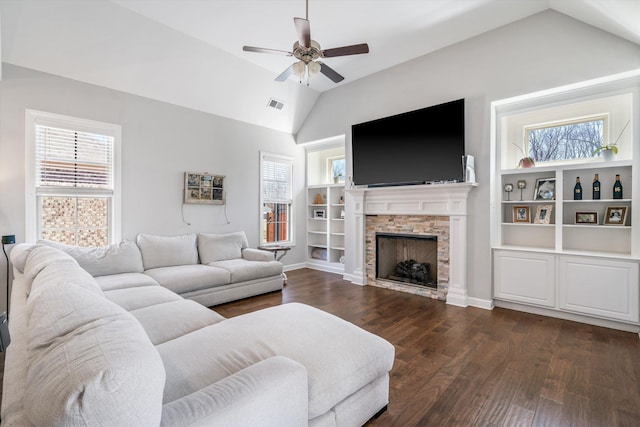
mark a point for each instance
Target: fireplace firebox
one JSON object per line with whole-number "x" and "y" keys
{"x": 407, "y": 258}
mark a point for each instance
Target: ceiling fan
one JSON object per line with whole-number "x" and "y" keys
{"x": 308, "y": 53}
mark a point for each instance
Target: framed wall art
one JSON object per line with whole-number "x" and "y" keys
{"x": 203, "y": 188}
{"x": 543, "y": 214}
{"x": 615, "y": 215}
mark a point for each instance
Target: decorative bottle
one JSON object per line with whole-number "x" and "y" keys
{"x": 577, "y": 190}
{"x": 596, "y": 188}
{"x": 617, "y": 188}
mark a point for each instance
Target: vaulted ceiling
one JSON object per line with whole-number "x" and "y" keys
{"x": 189, "y": 52}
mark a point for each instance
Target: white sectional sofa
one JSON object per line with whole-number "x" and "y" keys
{"x": 120, "y": 349}
{"x": 208, "y": 268}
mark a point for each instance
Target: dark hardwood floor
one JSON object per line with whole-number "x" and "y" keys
{"x": 472, "y": 367}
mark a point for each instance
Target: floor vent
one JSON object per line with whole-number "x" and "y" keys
{"x": 274, "y": 103}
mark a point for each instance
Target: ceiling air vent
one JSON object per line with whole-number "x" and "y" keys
{"x": 274, "y": 103}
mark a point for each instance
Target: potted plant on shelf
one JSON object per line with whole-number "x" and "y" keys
{"x": 609, "y": 150}
{"x": 526, "y": 161}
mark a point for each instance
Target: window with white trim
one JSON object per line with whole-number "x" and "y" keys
{"x": 72, "y": 180}
{"x": 276, "y": 205}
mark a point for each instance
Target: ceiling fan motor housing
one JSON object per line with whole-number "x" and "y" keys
{"x": 307, "y": 54}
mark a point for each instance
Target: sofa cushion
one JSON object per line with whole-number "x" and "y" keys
{"x": 125, "y": 280}
{"x": 218, "y": 247}
{"x": 165, "y": 251}
{"x": 81, "y": 366}
{"x": 188, "y": 278}
{"x": 340, "y": 357}
{"x": 65, "y": 273}
{"x": 142, "y": 296}
{"x": 39, "y": 258}
{"x": 123, "y": 257}
{"x": 242, "y": 270}
{"x": 19, "y": 254}
{"x": 164, "y": 322}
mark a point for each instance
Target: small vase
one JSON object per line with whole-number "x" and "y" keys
{"x": 607, "y": 155}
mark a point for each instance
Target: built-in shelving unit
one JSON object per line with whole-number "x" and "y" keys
{"x": 584, "y": 271}
{"x": 325, "y": 227}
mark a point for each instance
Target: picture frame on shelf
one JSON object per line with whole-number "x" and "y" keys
{"x": 521, "y": 214}
{"x": 615, "y": 215}
{"x": 543, "y": 214}
{"x": 319, "y": 213}
{"x": 587, "y": 218}
{"x": 545, "y": 189}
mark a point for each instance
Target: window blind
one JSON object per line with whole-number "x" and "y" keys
{"x": 276, "y": 180}
{"x": 70, "y": 158}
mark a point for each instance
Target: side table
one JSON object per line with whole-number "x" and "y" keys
{"x": 275, "y": 249}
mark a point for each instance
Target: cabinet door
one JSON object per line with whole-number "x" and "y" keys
{"x": 524, "y": 277}
{"x": 598, "y": 287}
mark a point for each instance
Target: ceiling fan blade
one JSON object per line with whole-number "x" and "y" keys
{"x": 304, "y": 31}
{"x": 285, "y": 74}
{"x": 355, "y": 49}
{"x": 330, "y": 72}
{"x": 265, "y": 50}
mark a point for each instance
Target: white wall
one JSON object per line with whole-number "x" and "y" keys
{"x": 543, "y": 51}
{"x": 160, "y": 142}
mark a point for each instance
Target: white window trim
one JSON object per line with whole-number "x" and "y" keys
{"x": 33, "y": 117}
{"x": 329, "y": 169}
{"x": 292, "y": 240}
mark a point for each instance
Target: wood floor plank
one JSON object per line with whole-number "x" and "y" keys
{"x": 472, "y": 367}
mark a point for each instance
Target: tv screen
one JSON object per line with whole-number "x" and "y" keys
{"x": 420, "y": 146}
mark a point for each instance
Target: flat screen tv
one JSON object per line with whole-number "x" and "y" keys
{"x": 417, "y": 147}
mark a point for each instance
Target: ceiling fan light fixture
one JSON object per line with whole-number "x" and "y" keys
{"x": 314, "y": 68}
{"x": 298, "y": 69}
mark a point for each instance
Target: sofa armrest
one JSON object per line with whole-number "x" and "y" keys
{"x": 273, "y": 392}
{"x": 251, "y": 254}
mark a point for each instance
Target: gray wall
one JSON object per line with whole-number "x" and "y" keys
{"x": 160, "y": 142}
{"x": 540, "y": 52}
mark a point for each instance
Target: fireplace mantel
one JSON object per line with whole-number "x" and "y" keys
{"x": 431, "y": 199}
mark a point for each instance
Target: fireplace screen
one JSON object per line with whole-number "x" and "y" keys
{"x": 407, "y": 258}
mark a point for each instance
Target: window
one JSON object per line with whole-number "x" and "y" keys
{"x": 335, "y": 169}
{"x": 575, "y": 139}
{"x": 72, "y": 184}
{"x": 277, "y": 198}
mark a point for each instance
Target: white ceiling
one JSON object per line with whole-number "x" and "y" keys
{"x": 189, "y": 52}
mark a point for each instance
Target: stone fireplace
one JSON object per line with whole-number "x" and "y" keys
{"x": 438, "y": 210}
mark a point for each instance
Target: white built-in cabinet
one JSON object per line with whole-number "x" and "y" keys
{"x": 325, "y": 227}
{"x": 582, "y": 271}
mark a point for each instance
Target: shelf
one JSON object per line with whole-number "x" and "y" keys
{"x": 604, "y": 227}
{"x": 316, "y": 232}
{"x": 338, "y": 248}
{"x": 592, "y": 164}
{"x": 526, "y": 202}
{"x": 314, "y": 205}
{"x": 337, "y": 234}
{"x": 317, "y": 245}
{"x": 318, "y": 219}
{"x": 598, "y": 201}
{"x": 528, "y": 224}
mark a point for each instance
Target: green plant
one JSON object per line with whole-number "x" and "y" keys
{"x": 613, "y": 147}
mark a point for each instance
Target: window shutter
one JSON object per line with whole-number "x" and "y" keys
{"x": 70, "y": 158}
{"x": 276, "y": 180}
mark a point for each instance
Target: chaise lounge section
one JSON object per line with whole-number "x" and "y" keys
{"x": 123, "y": 350}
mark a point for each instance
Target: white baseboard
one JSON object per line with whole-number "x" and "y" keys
{"x": 480, "y": 303}
{"x": 612, "y": 324}
{"x": 293, "y": 266}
